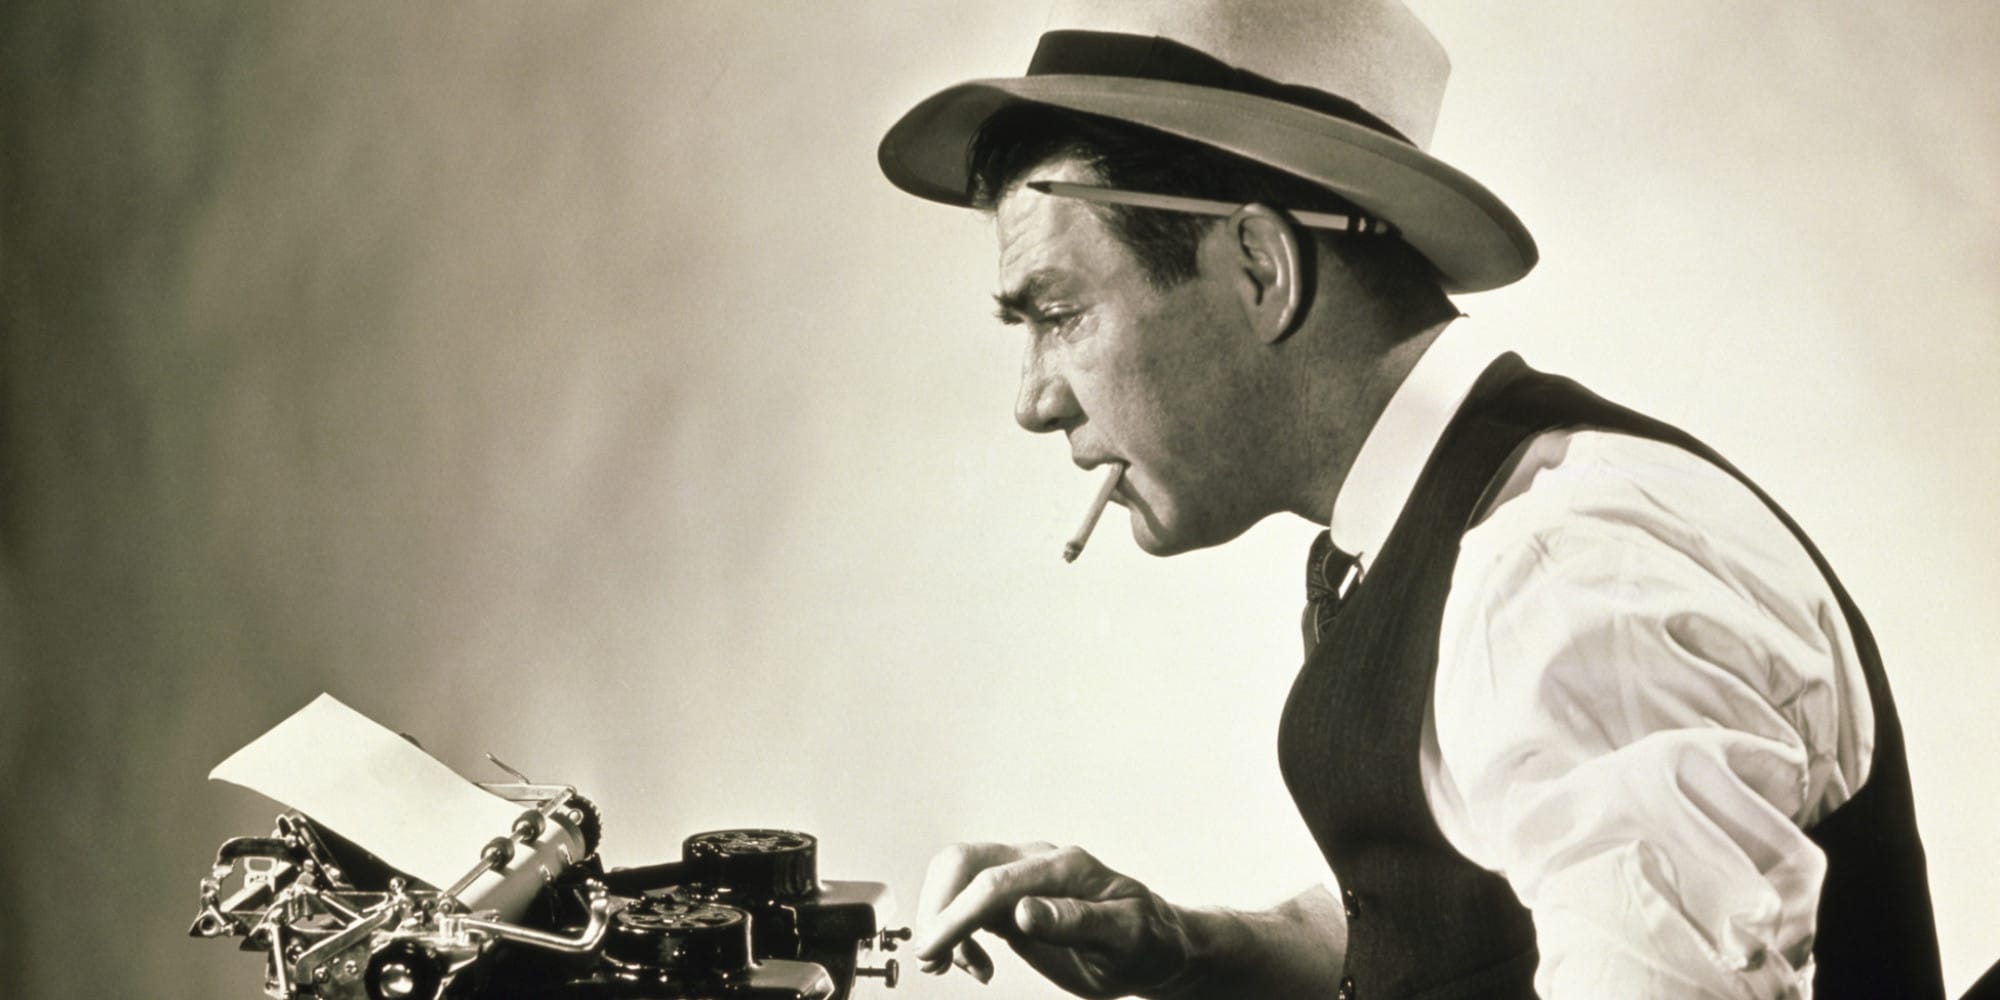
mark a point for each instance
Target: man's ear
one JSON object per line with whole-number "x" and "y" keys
{"x": 1271, "y": 270}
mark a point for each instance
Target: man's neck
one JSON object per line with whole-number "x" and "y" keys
{"x": 1344, "y": 406}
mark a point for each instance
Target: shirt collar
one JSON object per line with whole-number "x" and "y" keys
{"x": 1394, "y": 453}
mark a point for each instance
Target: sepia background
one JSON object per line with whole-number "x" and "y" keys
{"x": 563, "y": 381}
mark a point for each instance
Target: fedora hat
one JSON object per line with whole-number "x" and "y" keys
{"x": 1343, "y": 93}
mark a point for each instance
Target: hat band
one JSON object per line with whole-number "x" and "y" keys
{"x": 1107, "y": 53}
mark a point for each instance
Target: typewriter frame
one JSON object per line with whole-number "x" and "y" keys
{"x": 742, "y": 915}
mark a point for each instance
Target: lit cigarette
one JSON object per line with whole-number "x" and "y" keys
{"x": 1112, "y": 473}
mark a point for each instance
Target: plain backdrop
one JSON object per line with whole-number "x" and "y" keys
{"x": 563, "y": 381}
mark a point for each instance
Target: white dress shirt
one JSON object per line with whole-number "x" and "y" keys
{"x": 1645, "y": 690}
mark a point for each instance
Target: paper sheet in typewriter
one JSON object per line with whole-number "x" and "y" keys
{"x": 382, "y": 792}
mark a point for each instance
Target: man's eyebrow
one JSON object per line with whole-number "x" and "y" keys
{"x": 1022, "y": 299}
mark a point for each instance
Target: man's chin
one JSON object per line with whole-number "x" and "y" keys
{"x": 1158, "y": 536}
{"x": 1169, "y": 535}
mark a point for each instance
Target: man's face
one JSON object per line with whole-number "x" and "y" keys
{"x": 1169, "y": 381}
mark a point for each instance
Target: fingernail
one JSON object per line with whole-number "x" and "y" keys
{"x": 1036, "y": 915}
{"x": 983, "y": 975}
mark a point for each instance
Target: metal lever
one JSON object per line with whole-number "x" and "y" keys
{"x": 584, "y": 942}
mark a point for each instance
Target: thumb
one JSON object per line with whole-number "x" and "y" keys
{"x": 1071, "y": 922}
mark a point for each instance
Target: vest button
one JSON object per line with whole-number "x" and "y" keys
{"x": 1350, "y": 903}
{"x": 1346, "y": 989}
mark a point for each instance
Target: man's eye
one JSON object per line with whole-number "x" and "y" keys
{"x": 1060, "y": 322}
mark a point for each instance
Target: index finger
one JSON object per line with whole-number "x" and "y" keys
{"x": 953, "y": 867}
{"x": 988, "y": 895}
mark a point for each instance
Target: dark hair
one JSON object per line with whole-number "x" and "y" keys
{"x": 1020, "y": 137}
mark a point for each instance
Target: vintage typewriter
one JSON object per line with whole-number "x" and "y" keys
{"x": 742, "y": 915}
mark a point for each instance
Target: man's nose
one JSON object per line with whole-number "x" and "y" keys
{"x": 1045, "y": 402}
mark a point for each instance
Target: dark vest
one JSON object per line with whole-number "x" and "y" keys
{"x": 1422, "y": 920}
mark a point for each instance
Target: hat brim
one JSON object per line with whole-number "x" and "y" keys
{"x": 1473, "y": 239}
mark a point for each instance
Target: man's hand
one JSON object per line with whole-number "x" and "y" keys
{"x": 1090, "y": 930}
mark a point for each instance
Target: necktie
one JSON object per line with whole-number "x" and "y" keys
{"x": 1330, "y": 577}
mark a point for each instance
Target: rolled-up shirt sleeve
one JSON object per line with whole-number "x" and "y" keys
{"x": 1645, "y": 693}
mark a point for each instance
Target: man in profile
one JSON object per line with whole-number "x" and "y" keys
{"x": 1583, "y": 713}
